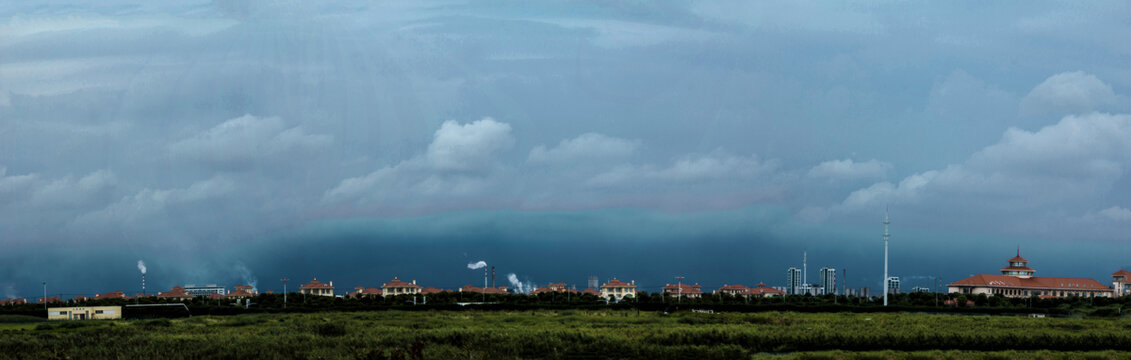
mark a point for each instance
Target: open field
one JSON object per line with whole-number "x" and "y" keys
{"x": 572, "y": 334}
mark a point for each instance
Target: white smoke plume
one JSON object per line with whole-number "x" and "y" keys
{"x": 141, "y": 266}
{"x": 10, "y": 292}
{"x": 245, "y": 274}
{"x": 477, "y": 265}
{"x": 519, "y": 286}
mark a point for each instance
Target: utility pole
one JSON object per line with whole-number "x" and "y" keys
{"x": 285, "y": 292}
{"x": 886, "y": 235}
{"x": 679, "y": 296}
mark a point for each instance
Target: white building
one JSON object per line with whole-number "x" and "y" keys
{"x": 828, "y": 281}
{"x": 793, "y": 281}
{"x": 893, "y": 285}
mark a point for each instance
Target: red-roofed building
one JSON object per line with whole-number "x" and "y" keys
{"x": 178, "y": 293}
{"x": 80, "y": 298}
{"x": 618, "y": 290}
{"x": 246, "y": 291}
{"x": 734, "y": 290}
{"x": 116, "y": 294}
{"x": 398, "y": 287}
{"x": 432, "y": 290}
{"x": 683, "y": 290}
{"x": 362, "y": 291}
{"x": 318, "y": 288}
{"x": 591, "y": 291}
{"x": 13, "y": 301}
{"x": 554, "y": 288}
{"x": 1017, "y": 280}
{"x": 764, "y": 291}
{"x": 1119, "y": 280}
{"x": 479, "y": 290}
{"x": 50, "y": 300}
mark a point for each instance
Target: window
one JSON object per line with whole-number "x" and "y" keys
{"x": 97, "y": 311}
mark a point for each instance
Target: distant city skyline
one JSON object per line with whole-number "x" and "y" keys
{"x": 228, "y": 141}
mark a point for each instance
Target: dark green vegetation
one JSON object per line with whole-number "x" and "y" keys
{"x": 572, "y": 334}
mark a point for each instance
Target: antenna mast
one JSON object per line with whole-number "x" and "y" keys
{"x": 886, "y": 236}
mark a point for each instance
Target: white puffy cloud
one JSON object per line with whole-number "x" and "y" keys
{"x": 588, "y": 146}
{"x": 1022, "y": 183}
{"x": 718, "y": 165}
{"x": 149, "y": 202}
{"x": 848, "y": 169}
{"x": 468, "y": 147}
{"x": 454, "y": 164}
{"x": 34, "y": 190}
{"x": 243, "y": 141}
{"x": 1068, "y": 93}
{"x": 1117, "y": 213}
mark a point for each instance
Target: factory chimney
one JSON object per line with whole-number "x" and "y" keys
{"x": 492, "y": 276}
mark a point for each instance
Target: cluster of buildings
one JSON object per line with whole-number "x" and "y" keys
{"x": 1017, "y": 279}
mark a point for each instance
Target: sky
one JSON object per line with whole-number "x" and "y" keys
{"x": 236, "y": 142}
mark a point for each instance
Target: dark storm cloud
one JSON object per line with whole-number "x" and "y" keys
{"x": 229, "y": 140}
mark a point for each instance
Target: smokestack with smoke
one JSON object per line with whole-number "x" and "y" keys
{"x": 141, "y": 267}
{"x": 477, "y": 265}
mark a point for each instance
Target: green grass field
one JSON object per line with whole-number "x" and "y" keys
{"x": 573, "y": 334}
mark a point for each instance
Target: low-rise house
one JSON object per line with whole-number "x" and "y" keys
{"x": 84, "y": 313}
{"x": 591, "y": 291}
{"x": 398, "y": 287}
{"x": 116, "y": 294}
{"x": 554, "y": 288}
{"x": 50, "y": 300}
{"x": 764, "y": 291}
{"x": 245, "y": 291}
{"x": 318, "y": 288}
{"x": 178, "y": 293}
{"x": 733, "y": 290}
{"x": 479, "y": 290}
{"x": 13, "y": 301}
{"x": 432, "y": 290}
{"x": 80, "y": 298}
{"x": 683, "y": 290}
{"x": 618, "y": 290}
{"x": 362, "y": 291}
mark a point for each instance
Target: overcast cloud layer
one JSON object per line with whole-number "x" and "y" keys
{"x": 230, "y": 140}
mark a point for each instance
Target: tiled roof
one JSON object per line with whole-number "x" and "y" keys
{"x": 686, "y": 289}
{"x": 177, "y": 292}
{"x": 617, "y": 283}
{"x": 735, "y": 287}
{"x": 53, "y": 299}
{"x": 117, "y": 294}
{"x": 1018, "y": 268}
{"x": 1036, "y": 282}
{"x": 1123, "y": 273}
{"x": 239, "y": 293}
{"x": 315, "y": 284}
{"x": 591, "y": 292}
{"x": 489, "y": 290}
{"x": 764, "y": 290}
{"x": 433, "y": 290}
{"x": 396, "y": 282}
{"x": 364, "y": 291}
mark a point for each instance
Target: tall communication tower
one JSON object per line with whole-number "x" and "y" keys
{"x": 886, "y": 236}
{"x": 805, "y": 269}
